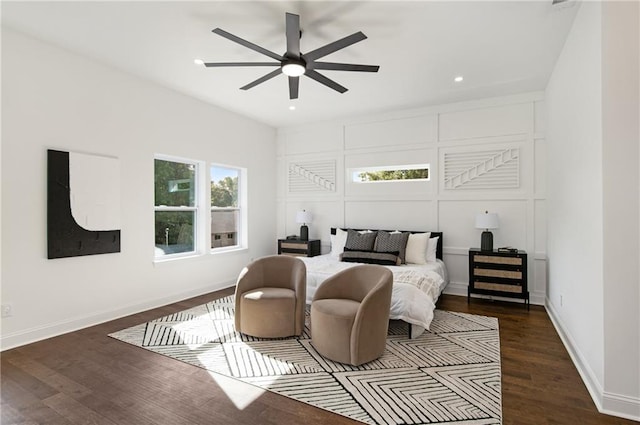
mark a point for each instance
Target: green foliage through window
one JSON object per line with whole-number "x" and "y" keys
{"x": 224, "y": 192}
{"x": 175, "y": 207}
{"x": 174, "y": 183}
{"x": 400, "y": 173}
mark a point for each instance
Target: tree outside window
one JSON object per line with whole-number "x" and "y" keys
{"x": 175, "y": 207}
{"x": 225, "y": 206}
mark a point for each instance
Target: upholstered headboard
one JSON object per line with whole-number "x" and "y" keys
{"x": 433, "y": 235}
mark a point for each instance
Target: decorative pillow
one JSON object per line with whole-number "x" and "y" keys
{"x": 337, "y": 242}
{"x": 382, "y": 258}
{"x": 417, "y": 244}
{"x": 357, "y": 241}
{"x": 431, "y": 249}
{"x": 392, "y": 242}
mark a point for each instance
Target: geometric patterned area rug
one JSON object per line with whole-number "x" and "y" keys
{"x": 450, "y": 374}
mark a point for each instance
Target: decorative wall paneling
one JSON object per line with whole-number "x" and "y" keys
{"x": 404, "y": 131}
{"x": 312, "y": 176}
{"x": 395, "y": 214}
{"x": 491, "y": 151}
{"x": 486, "y": 169}
{"x": 503, "y": 120}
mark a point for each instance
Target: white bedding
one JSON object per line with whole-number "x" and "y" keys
{"x": 416, "y": 287}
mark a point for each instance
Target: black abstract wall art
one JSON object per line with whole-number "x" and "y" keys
{"x": 83, "y": 204}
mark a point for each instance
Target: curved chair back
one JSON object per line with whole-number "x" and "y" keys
{"x": 354, "y": 283}
{"x": 274, "y": 271}
{"x": 370, "y": 286}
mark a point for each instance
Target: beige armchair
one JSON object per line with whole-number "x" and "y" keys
{"x": 270, "y": 297}
{"x": 350, "y": 314}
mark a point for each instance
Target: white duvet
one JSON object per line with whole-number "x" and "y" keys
{"x": 416, "y": 288}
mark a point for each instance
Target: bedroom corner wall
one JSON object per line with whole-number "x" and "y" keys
{"x": 593, "y": 233}
{"x": 313, "y": 164}
{"x": 73, "y": 103}
{"x": 621, "y": 179}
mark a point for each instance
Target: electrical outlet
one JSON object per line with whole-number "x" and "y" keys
{"x": 7, "y": 311}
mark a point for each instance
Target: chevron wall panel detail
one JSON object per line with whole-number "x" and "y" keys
{"x": 312, "y": 176}
{"x": 490, "y": 169}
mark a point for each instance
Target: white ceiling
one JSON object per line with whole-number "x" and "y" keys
{"x": 501, "y": 48}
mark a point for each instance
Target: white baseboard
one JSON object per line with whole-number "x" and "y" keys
{"x": 621, "y": 405}
{"x": 38, "y": 333}
{"x": 606, "y": 403}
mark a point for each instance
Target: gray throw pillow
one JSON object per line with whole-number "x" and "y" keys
{"x": 357, "y": 241}
{"x": 392, "y": 242}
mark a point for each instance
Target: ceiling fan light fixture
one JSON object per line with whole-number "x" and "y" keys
{"x": 293, "y": 69}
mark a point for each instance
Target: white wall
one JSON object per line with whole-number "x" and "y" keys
{"x": 621, "y": 179}
{"x": 54, "y": 99}
{"x": 592, "y": 119}
{"x": 438, "y": 135}
{"x": 574, "y": 206}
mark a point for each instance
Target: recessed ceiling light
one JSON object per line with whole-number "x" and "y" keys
{"x": 198, "y": 61}
{"x": 292, "y": 108}
{"x": 458, "y": 78}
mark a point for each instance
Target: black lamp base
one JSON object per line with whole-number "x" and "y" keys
{"x": 486, "y": 243}
{"x": 304, "y": 233}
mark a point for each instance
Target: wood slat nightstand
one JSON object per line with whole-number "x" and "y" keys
{"x": 299, "y": 248}
{"x": 497, "y": 273}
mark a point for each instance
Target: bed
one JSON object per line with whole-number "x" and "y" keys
{"x": 416, "y": 287}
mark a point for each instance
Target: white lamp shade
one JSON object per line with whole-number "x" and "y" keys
{"x": 487, "y": 221}
{"x": 304, "y": 217}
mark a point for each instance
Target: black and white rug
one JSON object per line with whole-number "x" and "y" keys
{"x": 450, "y": 374}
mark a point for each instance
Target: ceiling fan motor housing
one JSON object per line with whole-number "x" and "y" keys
{"x": 293, "y": 67}
{"x": 293, "y": 63}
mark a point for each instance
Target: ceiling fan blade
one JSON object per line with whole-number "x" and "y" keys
{"x": 262, "y": 79}
{"x": 344, "y": 67}
{"x": 293, "y": 35}
{"x": 248, "y": 44}
{"x": 324, "y": 80}
{"x": 335, "y": 46}
{"x": 294, "y": 83}
{"x": 222, "y": 64}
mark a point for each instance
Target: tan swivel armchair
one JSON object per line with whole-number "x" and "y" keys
{"x": 350, "y": 314}
{"x": 270, "y": 297}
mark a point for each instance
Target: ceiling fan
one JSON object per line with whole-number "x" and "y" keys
{"x": 294, "y": 63}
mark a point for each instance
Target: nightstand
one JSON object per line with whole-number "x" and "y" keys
{"x": 502, "y": 274}
{"x": 299, "y": 248}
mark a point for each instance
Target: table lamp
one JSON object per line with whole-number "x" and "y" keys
{"x": 486, "y": 221}
{"x": 304, "y": 217}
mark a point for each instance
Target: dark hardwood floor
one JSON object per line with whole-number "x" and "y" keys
{"x": 85, "y": 377}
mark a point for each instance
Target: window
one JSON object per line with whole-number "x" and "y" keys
{"x": 392, "y": 173}
{"x": 176, "y": 207}
{"x": 226, "y": 217}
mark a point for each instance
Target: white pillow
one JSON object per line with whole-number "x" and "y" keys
{"x": 417, "y": 248}
{"x": 337, "y": 242}
{"x": 431, "y": 249}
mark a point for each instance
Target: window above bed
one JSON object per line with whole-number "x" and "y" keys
{"x": 390, "y": 173}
